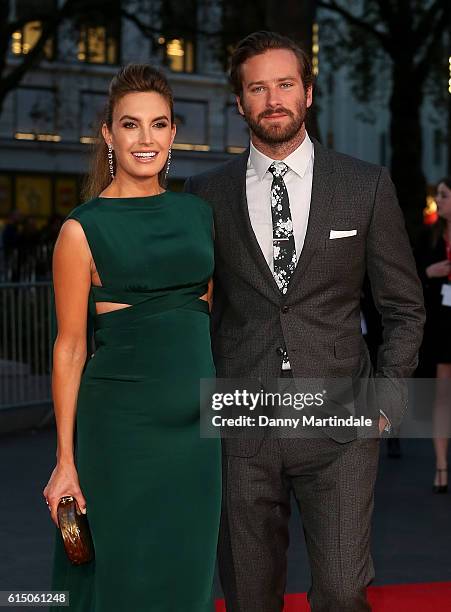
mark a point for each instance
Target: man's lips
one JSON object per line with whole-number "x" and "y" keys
{"x": 275, "y": 116}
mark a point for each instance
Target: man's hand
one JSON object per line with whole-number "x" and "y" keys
{"x": 382, "y": 423}
{"x": 439, "y": 269}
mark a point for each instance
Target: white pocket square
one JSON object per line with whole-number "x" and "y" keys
{"x": 342, "y": 233}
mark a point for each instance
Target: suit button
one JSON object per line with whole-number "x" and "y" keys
{"x": 285, "y": 309}
{"x": 280, "y": 350}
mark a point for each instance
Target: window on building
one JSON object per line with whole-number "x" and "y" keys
{"x": 315, "y": 49}
{"x": 36, "y": 114}
{"x": 99, "y": 36}
{"x": 178, "y": 34}
{"x": 97, "y": 46}
{"x": 179, "y": 54}
{"x": 92, "y": 104}
{"x": 24, "y": 39}
{"x": 238, "y": 19}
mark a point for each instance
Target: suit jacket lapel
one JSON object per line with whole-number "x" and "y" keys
{"x": 323, "y": 186}
{"x": 241, "y": 214}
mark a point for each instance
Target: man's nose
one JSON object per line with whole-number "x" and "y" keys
{"x": 273, "y": 98}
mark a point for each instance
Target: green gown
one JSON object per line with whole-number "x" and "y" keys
{"x": 151, "y": 483}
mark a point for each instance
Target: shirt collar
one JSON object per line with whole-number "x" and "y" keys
{"x": 296, "y": 161}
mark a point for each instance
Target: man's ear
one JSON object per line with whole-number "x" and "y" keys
{"x": 106, "y": 134}
{"x": 309, "y": 96}
{"x": 238, "y": 103}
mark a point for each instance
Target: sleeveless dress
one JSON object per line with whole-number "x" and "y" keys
{"x": 152, "y": 484}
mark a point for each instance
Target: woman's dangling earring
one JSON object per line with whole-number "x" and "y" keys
{"x": 168, "y": 163}
{"x": 110, "y": 161}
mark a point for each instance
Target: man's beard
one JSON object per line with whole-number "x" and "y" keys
{"x": 276, "y": 134}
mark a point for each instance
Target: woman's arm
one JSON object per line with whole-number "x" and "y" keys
{"x": 439, "y": 269}
{"x": 431, "y": 264}
{"x": 210, "y": 293}
{"x": 72, "y": 264}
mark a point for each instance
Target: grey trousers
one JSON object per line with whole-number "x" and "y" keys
{"x": 334, "y": 486}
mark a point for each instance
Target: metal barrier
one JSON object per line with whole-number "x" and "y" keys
{"x": 26, "y": 339}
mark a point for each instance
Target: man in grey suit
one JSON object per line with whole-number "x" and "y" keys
{"x": 297, "y": 226}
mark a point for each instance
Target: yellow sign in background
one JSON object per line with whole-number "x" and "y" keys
{"x": 5, "y": 195}
{"x": 34, "y": 195}
{"x": 66, "y": 195}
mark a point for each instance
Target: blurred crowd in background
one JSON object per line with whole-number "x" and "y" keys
{"x": 26, "y": 248}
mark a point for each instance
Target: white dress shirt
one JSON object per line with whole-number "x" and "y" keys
{"x": 298, "y": 181}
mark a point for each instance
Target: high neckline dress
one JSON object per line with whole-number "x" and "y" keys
{"x": 152, "y": 483}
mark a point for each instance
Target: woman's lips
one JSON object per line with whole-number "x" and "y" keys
{"x": 145, "y": 157}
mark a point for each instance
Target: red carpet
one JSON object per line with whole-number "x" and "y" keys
{"x": 422, "y": 597}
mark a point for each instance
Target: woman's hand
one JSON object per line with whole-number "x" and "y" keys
{"x": 63, "y": 481}
{"x": 439, "y": 269}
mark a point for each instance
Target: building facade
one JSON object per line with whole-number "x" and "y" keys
{"x": 49, "y": 122}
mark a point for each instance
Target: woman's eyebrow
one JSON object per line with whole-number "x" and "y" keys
{"x": 137, "y": 120}
{"x": 128, "y": 117}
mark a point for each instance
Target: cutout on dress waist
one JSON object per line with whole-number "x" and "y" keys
{"x": 104, "y": 307}
{"x": 109, "y": 307}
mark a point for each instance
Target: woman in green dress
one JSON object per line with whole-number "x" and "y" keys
{"x": 142, "y": 257}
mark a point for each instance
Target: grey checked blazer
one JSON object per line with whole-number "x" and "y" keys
{"x": 318, "y": 319}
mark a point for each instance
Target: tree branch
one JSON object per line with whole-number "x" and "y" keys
{"x": 19, "y": 23}
{"x": 383, "y": 39}
{"x": 427, "y": 23}
{"x": 149, "y": 30}
{"x": 386, "y": 11}
{"x": 144, "y": 28}
{"x": 436, "y": 31}
{"x": 49, "y": 27}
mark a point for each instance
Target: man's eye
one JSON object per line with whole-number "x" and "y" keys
{"x": 286, "y": 85}
{"x": 257, "y": 89}
{"x": 129, "y": 124}
{"x": 161, "y": 124}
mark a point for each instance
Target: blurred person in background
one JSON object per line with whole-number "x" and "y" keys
{"x": 11, "y": 243}
{"x": 47, "y": 239}
{"x": 434, "y": 268}
{"x": 51, "y": 230}
{"x": 29, "y": 248}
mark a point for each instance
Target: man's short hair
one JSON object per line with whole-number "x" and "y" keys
{"x": 260, "y": 42}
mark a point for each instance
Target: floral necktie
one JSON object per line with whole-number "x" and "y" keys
{"x": 284, "y": 248}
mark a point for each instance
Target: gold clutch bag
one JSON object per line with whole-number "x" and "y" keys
{"x": 75, "y": 531}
